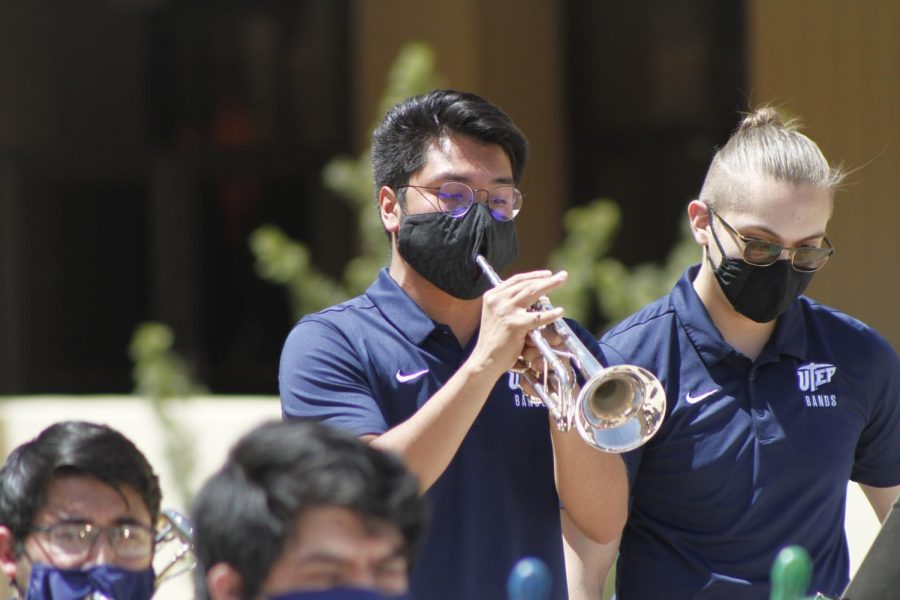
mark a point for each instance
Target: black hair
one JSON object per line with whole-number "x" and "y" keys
{"x": 246, "y": 512}
{"x": 401, "y": 142}
{"x": 71, "y": 448}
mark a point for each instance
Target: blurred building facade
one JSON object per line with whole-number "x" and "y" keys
{"x": 141, "y": 141}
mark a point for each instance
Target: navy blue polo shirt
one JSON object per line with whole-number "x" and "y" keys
{"x": 753, "y": 455}
{"x": 367, "y": 365}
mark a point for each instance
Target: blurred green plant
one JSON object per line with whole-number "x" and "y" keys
{"x": 601, "y": 290}
{"x": 287, "y": 262}
{"x": 162, "y": 377}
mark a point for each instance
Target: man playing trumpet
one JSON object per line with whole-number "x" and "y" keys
{"x": 420, "y": 363}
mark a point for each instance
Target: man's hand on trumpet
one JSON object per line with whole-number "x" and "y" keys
{"x": 507, "y": 317}
{"x": 534, "y": 367}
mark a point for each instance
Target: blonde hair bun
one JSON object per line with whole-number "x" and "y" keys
{"x": 763, "y": 116}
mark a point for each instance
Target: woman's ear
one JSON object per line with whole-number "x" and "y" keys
{"x": 698, "y": 215}
{"x": 223, "y": 582}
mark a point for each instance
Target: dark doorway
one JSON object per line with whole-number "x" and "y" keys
{"x": 653, "y": 86}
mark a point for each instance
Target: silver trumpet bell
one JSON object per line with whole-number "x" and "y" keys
{"x": 617, "y": 409}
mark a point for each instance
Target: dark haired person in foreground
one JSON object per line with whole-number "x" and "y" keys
{"x": 420, "y": 364}
{"x": 776, "y": 401}
{"x": 300, "y": 510}
{"x": 78, "y": 505}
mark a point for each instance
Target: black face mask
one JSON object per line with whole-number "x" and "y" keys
{"x": 442, "y": 248}
{"x": 759, "y": 293}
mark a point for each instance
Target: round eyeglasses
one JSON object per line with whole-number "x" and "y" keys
{"x": 455, "y": 199}
{"x": 762, "y": 253}
{"x": 69, "y": 544}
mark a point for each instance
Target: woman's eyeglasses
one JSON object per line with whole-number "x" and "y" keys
{"x": 762, "y": 253}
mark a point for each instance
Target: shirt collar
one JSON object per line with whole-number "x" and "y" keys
{"x": 399, "y": 309}
{"x": 695, "y": 320}
{"x": 789, "y": 336}
{"x": 790, "y": 332}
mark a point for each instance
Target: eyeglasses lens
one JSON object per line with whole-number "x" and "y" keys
{"x": 762, "y": 253}
{"x": 71, "y": 540}
{"x": 810, "y": 259}
{"x": 132, "y": 542}
{"x": 504, "y": 202}
{"x": 454, "y": 198}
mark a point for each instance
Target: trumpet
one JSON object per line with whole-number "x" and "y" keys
{"x": 173, "y": 546}
{"x": 617, "y": 408}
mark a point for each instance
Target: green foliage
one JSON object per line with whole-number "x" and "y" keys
{"x": 281, "y": 260}
{"x": 286, "y": 262}
{"x": 601, "y": 287}
{"x": 162, "y": 377}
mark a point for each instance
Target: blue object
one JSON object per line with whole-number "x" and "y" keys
{"x": 339, "y": 593}
{"x": 753, "y": 455}
{"x": 47, "y": 582}
{"x": 367, "y": 365}
{"x": 530, "y": 579}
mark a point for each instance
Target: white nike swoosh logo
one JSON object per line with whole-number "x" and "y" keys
{"x": 406, "y": 378}
{"x": 696, "y": 399}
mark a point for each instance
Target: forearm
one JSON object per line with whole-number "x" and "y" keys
{"x": 881, "y": 499}
{"x": 587, "y": 563}
{"x": 430, "y": 438}
{"x": 592, "y": 485}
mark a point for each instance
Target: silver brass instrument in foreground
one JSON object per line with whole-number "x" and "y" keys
{"x": 173, "y": 546}
{"x": 618, "y": 408}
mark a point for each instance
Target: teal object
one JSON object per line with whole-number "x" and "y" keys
{"x": 791, "y": 574}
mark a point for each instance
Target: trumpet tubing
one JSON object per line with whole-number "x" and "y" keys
{"x": 617, "y": 409}
{"x": 174, "y": 546}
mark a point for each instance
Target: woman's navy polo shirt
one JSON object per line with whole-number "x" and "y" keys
{"x": 752, "y": 456}
{"x": 367, "y": 365}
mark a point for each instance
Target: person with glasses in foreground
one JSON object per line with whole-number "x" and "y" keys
{"x": 775, "y": 400}
{"x": 302, "y": 511}
{"x": 420, "y": 363}
{"x": 78, "y": 506}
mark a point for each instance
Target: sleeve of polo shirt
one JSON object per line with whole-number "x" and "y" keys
{"x": 877, "y": 461}
{"x": 322, "y": 378}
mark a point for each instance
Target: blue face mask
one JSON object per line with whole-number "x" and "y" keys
{"x": 105, "y": 581}
{"x": 340, "y": 593}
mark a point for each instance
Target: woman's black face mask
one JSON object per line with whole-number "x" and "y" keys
{"x": 759, "y": 293}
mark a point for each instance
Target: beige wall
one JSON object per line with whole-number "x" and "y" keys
{"x": 508, "y": 51}
{"x": 837, "y": 65}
